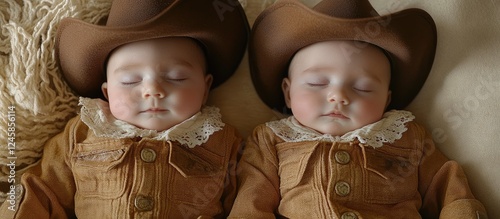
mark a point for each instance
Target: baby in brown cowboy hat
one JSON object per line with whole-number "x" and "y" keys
{"x": 348, "y": 151}
{"x": 153, "y": 150}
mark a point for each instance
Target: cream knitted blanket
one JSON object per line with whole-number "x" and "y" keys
{"x": 35, "y": 102}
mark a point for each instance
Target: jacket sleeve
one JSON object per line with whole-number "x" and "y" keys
{"x": 444, "y": 187}
{"x": 258, "y": 181}
{"x": 48, "y": 187}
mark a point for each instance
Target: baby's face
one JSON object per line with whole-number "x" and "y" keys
{"x": 156, "y": 84}
{"x": 338, "y": 86}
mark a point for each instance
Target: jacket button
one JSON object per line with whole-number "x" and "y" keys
{"x": 148, "y": 155}
{"x": 342, "y": 157}
{"x": 342, "y": 188}
{"x": 143, "y": 203}
{"x": 349, "y": 215}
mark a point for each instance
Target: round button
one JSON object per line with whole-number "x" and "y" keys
{"x": 342, "y": 157}
{"x": 144, "y": 203}
{"x": 349, "y": 215}
{"x": 342, "y": 188}
{"x": 148, "y": 155}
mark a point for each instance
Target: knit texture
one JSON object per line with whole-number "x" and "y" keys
{"x": 29, "y": 77}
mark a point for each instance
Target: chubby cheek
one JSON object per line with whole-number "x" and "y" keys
{"x": 369, "y": 111}
{"x": 120, "y": 106}
{"x": 305, "y": 106}
{"x": 187, "y": 101}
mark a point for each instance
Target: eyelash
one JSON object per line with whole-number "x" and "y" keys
{"x": 177, "y": 80}
{"x": 173, "y": 80}
{"x": 129, "y": 83}
{"x": 356, "y": 89}
{"x": 316, "y": 84}
{"x": 362, "y": 90}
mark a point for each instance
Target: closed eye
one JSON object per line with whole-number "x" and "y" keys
{"x": 176, "y": 75}
{"x": 130, "y": 83}
{"x": 364, "y": 90}
{"x": 316, "y": 84}
{"x": 177, "y": 79}
{"x": 130, "y": 78}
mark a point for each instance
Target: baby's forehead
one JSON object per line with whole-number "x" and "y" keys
{"x": 159, "y": 51}
{"x": 343, "y": 49}
{"x": 164, "y": 45}
{"x": 333, "y": 56}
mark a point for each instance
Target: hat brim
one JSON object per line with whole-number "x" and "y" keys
{"x": 83, "y": 48}
{"x": 408, "y": 36}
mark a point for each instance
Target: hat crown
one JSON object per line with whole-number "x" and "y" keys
{"x": 130, "y": 12}
{"x": 346, "y": 8}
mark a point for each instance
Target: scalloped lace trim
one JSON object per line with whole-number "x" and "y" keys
{"x": 389, "y": 129}
{"x": 191, "y": 132}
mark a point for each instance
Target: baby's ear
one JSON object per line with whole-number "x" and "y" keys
{"x": 208, "y": 82}
{"x": 285, "y": 87}
{"x": 389, "y": 95}
{"x": 104, "y": 89}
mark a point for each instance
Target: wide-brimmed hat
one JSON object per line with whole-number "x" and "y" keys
{"x": 83, "y": 49}
{"x": 408, "y": 37}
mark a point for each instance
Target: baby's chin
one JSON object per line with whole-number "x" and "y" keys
{"x": 337, "y": 129}
{"x": 156, "y": 128}
{"x": 335, "y": 132}
{"x": 155, "y": 124}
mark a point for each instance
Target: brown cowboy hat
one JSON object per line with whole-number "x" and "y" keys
{"x": 408, "y": 37}
{"x": 82, "y": 48}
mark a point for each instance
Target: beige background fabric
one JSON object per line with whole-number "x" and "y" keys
{"x": 459, "y": 104}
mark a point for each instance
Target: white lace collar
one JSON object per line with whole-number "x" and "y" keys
{"x": 191, "y": 132}
{"x": 387, "y": 130}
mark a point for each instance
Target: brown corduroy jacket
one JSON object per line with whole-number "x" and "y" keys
{"x": 81, "y": 175}
{"x": 409, "y": 178}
